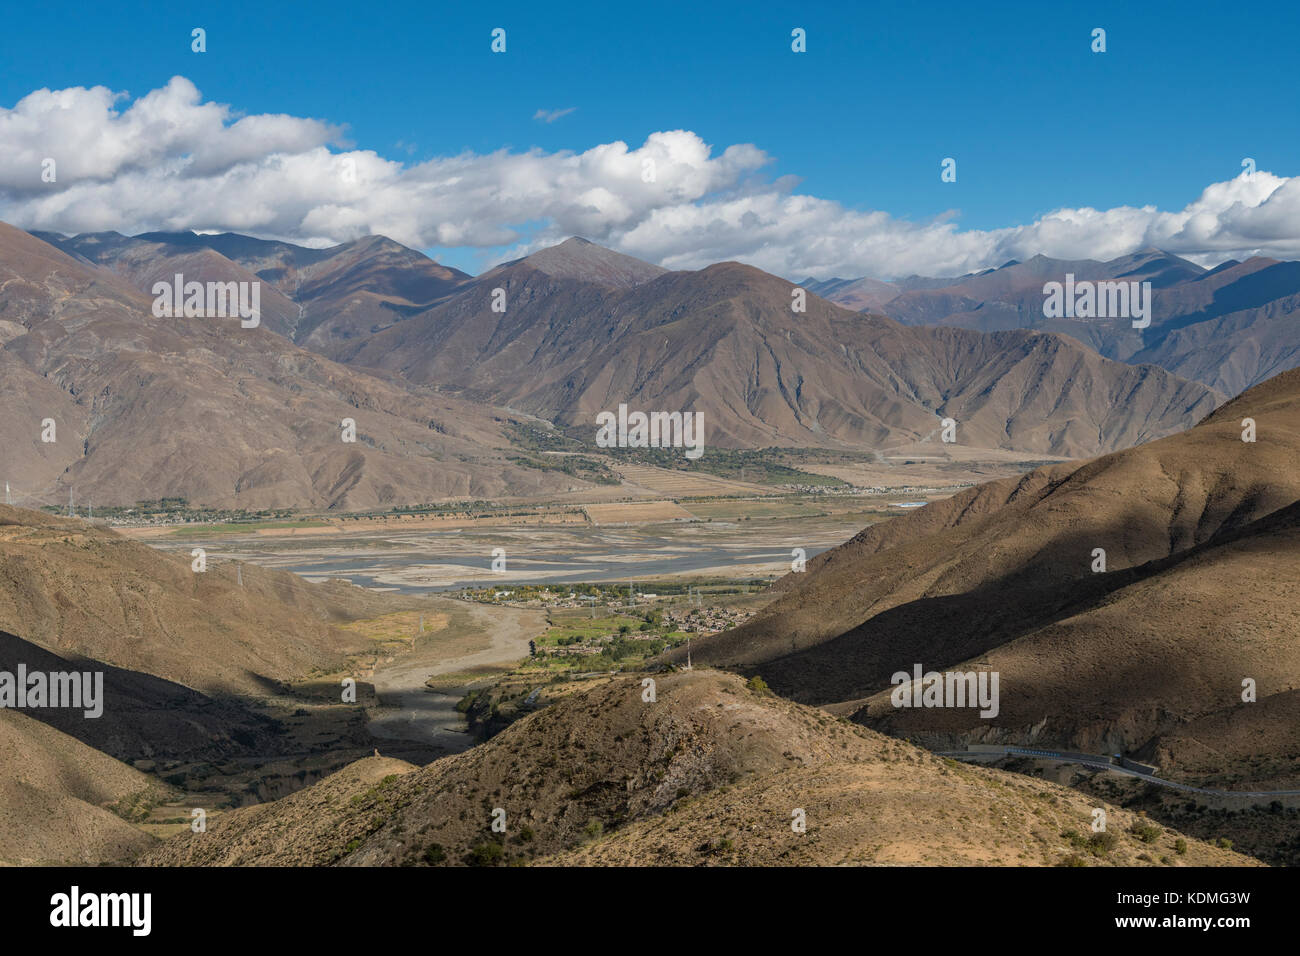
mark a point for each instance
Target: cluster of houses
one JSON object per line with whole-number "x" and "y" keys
{"x": 525, "y": 597}
{"x": 695, "y": 620}
{"x": 706, "y": 620}
{"x": 528, "y": 596}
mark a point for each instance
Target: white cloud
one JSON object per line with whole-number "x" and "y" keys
{"x": 168, "y": 160}
{"x": 550, "y": 116}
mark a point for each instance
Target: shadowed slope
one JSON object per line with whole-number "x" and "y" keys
{"x": 1200, "y": 538}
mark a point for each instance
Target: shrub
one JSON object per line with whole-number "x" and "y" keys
{"x": 485, "y": 854}
{"x": 757, "y": 685}
{"x": 1145, "y": 832}
{"x": 1099, "y": 844}
{"x": 435, "y": 854}
{"x": 1074, "y": 838}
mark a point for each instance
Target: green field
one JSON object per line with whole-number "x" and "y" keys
{"x": 741, "y": 509}
{"x": 244, "y": 527}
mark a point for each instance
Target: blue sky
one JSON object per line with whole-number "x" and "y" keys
{"x": 1035, "y": 119}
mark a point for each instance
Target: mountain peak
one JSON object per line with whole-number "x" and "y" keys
{"x": 582, "y": 259}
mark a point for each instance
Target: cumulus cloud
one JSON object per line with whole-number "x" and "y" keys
{"x": 169, "y": 160}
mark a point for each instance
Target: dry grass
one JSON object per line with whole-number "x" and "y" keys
{"x": 636, "y": 512}
{"x": 710, "y": 772}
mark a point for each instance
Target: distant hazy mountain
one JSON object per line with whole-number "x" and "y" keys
{"x": 1229, "y": 328}
{"x": 860, "y": 295}
{"x": 313, "y": 296}
{"x": 1200, "y": 533}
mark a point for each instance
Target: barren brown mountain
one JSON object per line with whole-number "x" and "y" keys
{"x": 581, "y": 259}
{"x": 860, "y": 295}
{"x": 725, "y": 341}
{"x": 316, "y": 297}
{"x": 585, "y": 329}
{"x": 709, "y": 773}
{"x": 1201, "y": 533}
{"x": 182, "y": 652}
{"x": 77, "y": 590}
{"x": 1230, "y": 327}
{"x": 206, "y": 410}
{"x": 53, "y": 795}
{"x": 183, "y": 655}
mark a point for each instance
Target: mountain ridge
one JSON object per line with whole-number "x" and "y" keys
{"x": 1197, "y": 527}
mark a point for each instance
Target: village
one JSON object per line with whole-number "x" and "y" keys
{"x": 596, "y": 631}
{"x": 620, "y": 622}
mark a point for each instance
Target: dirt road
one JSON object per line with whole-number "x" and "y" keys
{"x": 410, "y": 712}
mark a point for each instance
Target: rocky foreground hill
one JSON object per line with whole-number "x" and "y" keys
{"x": 185, "y": 658}
{"x": 710, "y": 772}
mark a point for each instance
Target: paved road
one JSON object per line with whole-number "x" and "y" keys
{"x": 1102, "y": 763}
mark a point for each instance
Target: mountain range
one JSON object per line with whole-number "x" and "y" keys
{"x": 438, "y": 369}
{"x": 146, "y": 408}
{"x": 726, "y": 342}
{"x": 1228, "y": 328}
